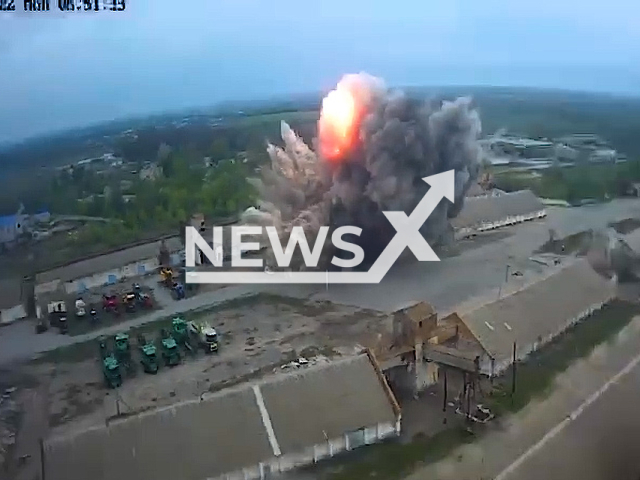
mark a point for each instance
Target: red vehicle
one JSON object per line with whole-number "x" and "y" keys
{"x": 110, "y": 303}
{"x": 144, "y": 300}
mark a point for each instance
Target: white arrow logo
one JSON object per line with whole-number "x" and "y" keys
{"x": 407, "y": 235}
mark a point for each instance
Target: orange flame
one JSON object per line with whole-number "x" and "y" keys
{"x": 338, "y": 123}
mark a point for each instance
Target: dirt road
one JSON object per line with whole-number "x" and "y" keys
{"x": 19, "y": 342}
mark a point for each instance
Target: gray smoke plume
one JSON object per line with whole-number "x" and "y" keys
{"x": 399, "y": 141}
{"x": 610, "y": 256}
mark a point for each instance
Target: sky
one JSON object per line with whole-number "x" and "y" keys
{"x": 65, "y": 70}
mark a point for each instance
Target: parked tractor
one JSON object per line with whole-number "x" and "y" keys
{"x": 143, "y": 300}
{"x": 110, "y": 304}
{"x": 81, "y": 308}
{"x": 149, "y": 358}
{"x": 167, "y": 277}
{"x": 206, "y": 335}
{"x": 170, "y": 350}
{"x": 179, "y": 292}
{"x": 129, "y": 302}
{"x": 180, "y": 333}
{"x": 110, "y": 366}
{"x": 57, "y": 312}
{"x": 123, "y": 350}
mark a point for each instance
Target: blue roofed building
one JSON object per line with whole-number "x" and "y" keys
{"x": 11, "y": 226}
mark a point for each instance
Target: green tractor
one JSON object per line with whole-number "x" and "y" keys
{"x": 170, "y": 350}
{"x": 110, "y": 366}
{"x": 123, "y": 351}
{"x": 181, "y": 334}
{"x": 149, "y": 359}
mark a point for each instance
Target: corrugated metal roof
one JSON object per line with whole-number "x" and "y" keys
{"x": 538, "y": 311}
{"x": 110, "y": 261}
{"x": 193, "y": 440}
{"x": 479, "y": 210}
{"x": 224, "y": 432}
{"x": 308, "y": 407}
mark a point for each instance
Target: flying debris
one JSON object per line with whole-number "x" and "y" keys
{"x": 374, "y": 146}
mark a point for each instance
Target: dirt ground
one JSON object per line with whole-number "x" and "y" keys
{"x": 257, "y": 337}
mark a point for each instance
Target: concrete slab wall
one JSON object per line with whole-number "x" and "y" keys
{"x": 10, "y": 315}
{"x": 316, "y": 453}
{"x": 106, "y": 278}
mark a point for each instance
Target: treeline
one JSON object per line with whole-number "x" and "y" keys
{"x": 573, "y": 184}
{"x": 153, "y": 207}
{"x": 38, "y": 188}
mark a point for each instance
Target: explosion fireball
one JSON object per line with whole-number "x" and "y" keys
{"x": 337, "y": 123}
{"x": 374, "y": 146}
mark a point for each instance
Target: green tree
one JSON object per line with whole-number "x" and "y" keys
{"x": 220, "y": 149}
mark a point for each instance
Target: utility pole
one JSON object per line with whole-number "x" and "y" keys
{"x": 513, "y": 371}
{"x": 469, "y": 404}
{"x": 444, "y": 402}
{"x": 506, "y": 279}
{"x": 42, "y": 467}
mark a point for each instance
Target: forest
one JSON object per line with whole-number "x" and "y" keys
{"x": 583, "y": 182}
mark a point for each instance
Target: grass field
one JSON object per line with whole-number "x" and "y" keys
{"x": 535, "y": 376}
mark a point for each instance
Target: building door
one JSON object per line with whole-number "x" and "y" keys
{"x": 141, "y": 269}
{"x": 111, "y": 280}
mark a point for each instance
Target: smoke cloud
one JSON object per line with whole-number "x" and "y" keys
{"x": 374, "y": 147}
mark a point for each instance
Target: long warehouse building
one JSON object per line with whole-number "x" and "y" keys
{"x": 526, "y": 320}
{"x": 248, "y": 432}
{"x": 480, "y": 214}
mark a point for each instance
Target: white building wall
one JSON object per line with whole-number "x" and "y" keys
{"x": 466, "y": 232}
{"x": 321, "y": 451}
{"x": 98, "y": 280}
{"x": 47, "y": 287}
{"x": 10, "y": 315}
{"x": 313, "y": 454}
{"x": 487, "y": 367}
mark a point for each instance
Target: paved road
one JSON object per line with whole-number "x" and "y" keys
{"x": 477, "y": 271}
{"x": 588, "y": 429}
{"x": 601, "y": 443}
